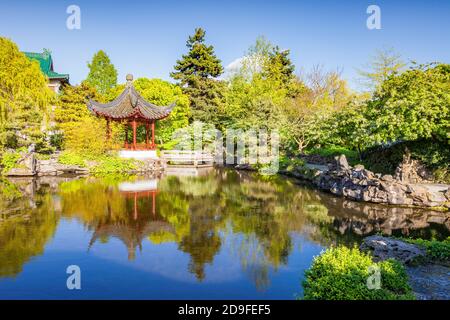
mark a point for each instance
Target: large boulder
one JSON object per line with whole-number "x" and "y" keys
{"x": 341, "y": 163}
{"x": 47, "y": 167}
{"x": 412, "y": 171}
{"x": 384, "y": 248}
{"x": 447, "y": 194}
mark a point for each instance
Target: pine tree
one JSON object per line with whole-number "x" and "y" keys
{"x": 280, "y": 59}
{"x": 102, "y": 73}
{"x": 195, "y": 72}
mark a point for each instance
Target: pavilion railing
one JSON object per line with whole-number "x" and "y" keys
{"x": 139, "y": 146}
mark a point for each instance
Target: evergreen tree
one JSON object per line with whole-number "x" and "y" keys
{"x": 195, "y": 72}
{"x": 280, "y": 58}
{"x": 102, "y": 73}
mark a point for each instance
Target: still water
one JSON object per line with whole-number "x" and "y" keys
{"x": 212, "y": 234}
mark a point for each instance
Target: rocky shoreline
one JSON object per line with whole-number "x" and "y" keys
{"x": 429, "y": 279}
{"x": 356, "y": 183}
{"x": 359, "y": 184}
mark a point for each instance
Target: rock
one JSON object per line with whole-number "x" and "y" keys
{"x": 436, "y": 217}
{"x": 412, "y": 171}
{"x": 341, "y": 163}
{"x": 360, "y": 184}
{"x": 356, "y": 194}
{"x": 47, "y": 167}
{"x": 436, "y": 196}
{"x": 244, "y": 166}
{"x": 26, "y": 166}
{"x": 447, "y": 194}
{"x": 387, "y": 177}
{"x": 384, "y": 248}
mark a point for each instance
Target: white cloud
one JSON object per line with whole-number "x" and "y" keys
{"x": 232, "y": 68}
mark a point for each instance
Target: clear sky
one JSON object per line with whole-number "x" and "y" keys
{"x": 145, "y": 38}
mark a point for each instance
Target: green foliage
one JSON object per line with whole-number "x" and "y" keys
{"x": 436, "y": 250}
{"x": 72, "y": 159}
{"x": 349, "y": 127}
{"x": 433, "y": 154}
{"x": 341, "y": 273}
{"x": 113, "y": 165}
{"x": 43, "y": 156}
{"x": 102, "y": 73}
{"x": 290, "y": 163}
{"x": 413, "y": 105}
{"x": 83, "y": 132}
{"x": 384, "y": 64}
{"x": 24, "y": 98}
{"x": 195, "y": 72}
{"x": 9, "y": 160}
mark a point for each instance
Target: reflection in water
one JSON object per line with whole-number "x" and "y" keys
{"x": 258, "y": 218}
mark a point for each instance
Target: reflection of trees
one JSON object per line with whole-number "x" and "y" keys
{"x": 259, "y": 216}
{"x": 24, "y": 231}
{"x": 199, "y": 237}
{"x": 265, "y": 209}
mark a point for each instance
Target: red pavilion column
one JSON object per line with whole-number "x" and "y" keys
{"x": 146, "y": 134}
{"x": 126, "y": 135}
{"x": 153, "y": 134}
{"x": 134, "y": 133}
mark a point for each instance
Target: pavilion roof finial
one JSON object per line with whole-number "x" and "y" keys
{"x": 129, "y": 79}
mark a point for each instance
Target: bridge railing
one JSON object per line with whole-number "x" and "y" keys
{"x": 194, "y": 158}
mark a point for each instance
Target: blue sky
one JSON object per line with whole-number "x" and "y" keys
{"x": 145, "y": 38}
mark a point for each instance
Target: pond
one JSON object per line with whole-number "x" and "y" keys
{"x": 206, "y": 234}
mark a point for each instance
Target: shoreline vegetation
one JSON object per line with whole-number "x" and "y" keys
{"x": 342, "y": 273}
{"x": 337, "y": 177}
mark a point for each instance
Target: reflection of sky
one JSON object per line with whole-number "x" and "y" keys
{"x": 157, "y": 272}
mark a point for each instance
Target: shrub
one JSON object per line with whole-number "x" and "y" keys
{"x": 9, "y": 161}
{"x": 434, "y": 154}
{"x": 112, "y": 165}
{"x": 72, "y": 159}
{"x": 437, "y": 250}
{"x": 341, "y": 274}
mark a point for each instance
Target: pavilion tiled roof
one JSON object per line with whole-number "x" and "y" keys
{"x": 46, "y": 64}
{"x": 130, "y": 105}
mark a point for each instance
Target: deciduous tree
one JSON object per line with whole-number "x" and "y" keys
{"x": 102, "y": 73}
{"x": 24, "y": 98}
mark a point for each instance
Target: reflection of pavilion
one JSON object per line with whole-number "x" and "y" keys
{"x": 136, "y": 226}
{"x": 140, "y": 189}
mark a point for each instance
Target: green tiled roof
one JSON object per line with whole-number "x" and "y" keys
{"x": 46, "y": 64}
